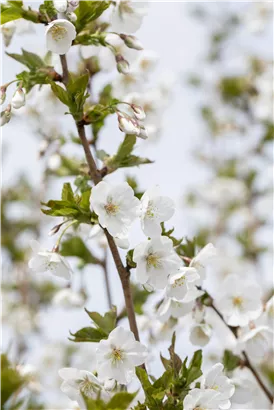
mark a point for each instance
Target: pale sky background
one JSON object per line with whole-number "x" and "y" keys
{"x": 180, "y": 41}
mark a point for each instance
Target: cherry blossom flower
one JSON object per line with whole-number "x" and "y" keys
{"x": 200, "y": 334}
{"x": 156, "y": 260}
{"x": 128, "y": 15}
{"x": 116, "y": 207}
{"x": 201, "y": 399}
{"x": 173, "y": 308}
{"x": 59, "y": 36}
{"x": 181, "y": 286}
{"x": 118, "y": 356}
{"x": 239, "y": 301}
{"x": 203, "y": 257}
{"x": 257, "y": 341}
{"x": 216, "y": 381}
{"x": 155, "y": 209}
{"x": 46, "y": 261}
{"x": 79, "y": 382}
{"x": 18, "y": 99}
{"x": 68, "y": 298}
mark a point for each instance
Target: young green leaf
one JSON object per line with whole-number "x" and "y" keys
{"x": 107, "y": 322}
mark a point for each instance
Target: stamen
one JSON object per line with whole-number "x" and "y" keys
{"x": 111, "y": 209}
{"x": 88, "y": 388}
{"x": 117, "y": 355}
{"x": 58, "y": 32}
{"x": 153, "y": 260}
{"x": 238, "y": 301}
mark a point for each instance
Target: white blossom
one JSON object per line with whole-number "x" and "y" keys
{"x": 155, "y": 209}
{"x": 79, "y": 382}
{"x": 68, "y": 298}
{"x": 257, "y": 341}
{"x": 18, "y": 99}
{"x": 182, "y": 285}
{"x": 59, "y": 36}
{"x": 46, "y": 261}
{"x": 116, "y": 207}
{"x": 199, "y": 399}
{"x": 60, "y": 5}
{"x": 139, "y": 113}
{"x": 131, "y": 42}
{"x": 128, "y": 15}
{"x": 156, "y": 260}
{"x": 118, "y": 356}
{"x": 8, "y": 30}
{"x": 200, "y": 334}
{"x": 269, "y": 311}
{"x": 239, "y": 301}
{"x": 128, "y": 125}
{"x": 173, "y": 308}
{"x": 216, "y": 380}
{"x": 202, "y": 258}
{"x": 122, "y": 64}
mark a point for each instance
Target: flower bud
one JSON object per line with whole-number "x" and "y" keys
{"x": 128, "y": 125}
{"x": 72, "y": 5}
{"x": 5, "y": 116}
{"x": 2, "y": 95}
{"x": 110, "y": 384}
{"x": 131, "y": 42}
{"x": 122, "y": 64}
{"x": 71, "y": 16}
{"x": 8, "y": 29}
{"x": 143, "y": 133}
{"x": 138, "y": 112}
{"x": 60, "y": 5}
{"x": 18, "y": 99}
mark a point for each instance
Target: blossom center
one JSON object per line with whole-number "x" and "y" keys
{"x": 238, "y": 301}
{"x": 87, "y": 387}
{"x": 111, "y": 209}
{"x": 116, "y": 355}
{"x": 153, "y": 260}
{"x": 150, "y": 212}
{"x": 58, "y": 32}
{"x": 179, "y": 282}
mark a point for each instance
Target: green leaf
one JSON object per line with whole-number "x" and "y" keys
{"x": 11, "y": 380}
{"x": 31, "y": 60}
{"x": 121, "y": 401}
{"x": 47, "y": 10}
{"x": 88, "y": 334}
{"x": 67, "y": 193}
{"x": 61, "y": 94}
{"x": 84, "y": 202}
{"x": 78, "y": 85}
{"x": 107, "y": 322}
{"x": 75, "y": 247}
{"x": 10, "y": 14}
{"x": 125, "y": 148}
{"x": 194, "y": 371}
{"x": 230, "y": 361}
{"x": 89, "y": 11}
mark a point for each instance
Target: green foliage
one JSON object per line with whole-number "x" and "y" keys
{"x": 233, "y": 88}
{"x": 75, "y": 246}
{"x": 230, "y": 361}
{"x": 103, "y": 326}
{"x": 47, "y": 10}
{"x": 74, "y": 207}
{"x": 120, "y": 401}
{"x": 89, "y": 11}
{"x": 13, "y": 10}
{"x": 74, "y": 96}
{"x": 169, "y": 391}
{"x": 11, "y": 381}
{"x": 168, "y": 233}
{"x": 123, "y": 158}
{"x": 39, "y": 72}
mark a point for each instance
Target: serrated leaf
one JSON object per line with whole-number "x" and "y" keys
{"x": 107, "y": 322}
{"x": 121, "y": 401}
{"x": 61, "y": 94}
{"x": 125, "y": 148}
{"x": 31, "y": 60}
{"x": 10, "y": 14}
{"x": 85, "y": 200}
{"x": 67, "y": 193}
{"x": 88, "y": 334}
{"x": 89, "y": 11}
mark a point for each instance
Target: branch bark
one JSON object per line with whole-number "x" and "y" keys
{"x": 96, "y": 178}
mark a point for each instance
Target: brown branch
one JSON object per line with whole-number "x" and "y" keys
{"x": 96, "y": 178}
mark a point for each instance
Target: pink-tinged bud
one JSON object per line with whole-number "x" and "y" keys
{"x": 5, "y": 116}
{"x": 122, "y": 64}
{"x": 72, "y": 5}
{"x": 131, "y": 42}
{"x": 2, "y": 95}
{"x": 138, "y": 112}
{"x": 18, "y": 99}
{"x": 143, "y": 133}
{"x": 128, "y": 125}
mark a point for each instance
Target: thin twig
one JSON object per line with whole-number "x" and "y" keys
{"x": 96, "y": 178}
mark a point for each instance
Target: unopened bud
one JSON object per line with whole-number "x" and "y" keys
{"x": 110, "y": 384}
{"x": 8, "y": 29}
{"x": 72, "y": 5}
{"x": 2, "y": 95}
{"x": 138, "y": 112}
{"x": 71, "y": 16}
{"x": 5, "y": 116}
{"x": 143, "y": 133}
{"x": 128, "y": 125}
{"x": 18, "y": 99}
{"x": 131, "y": 42}
{"x": 122, "y": 64}
{"x": 60, "y": 5}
